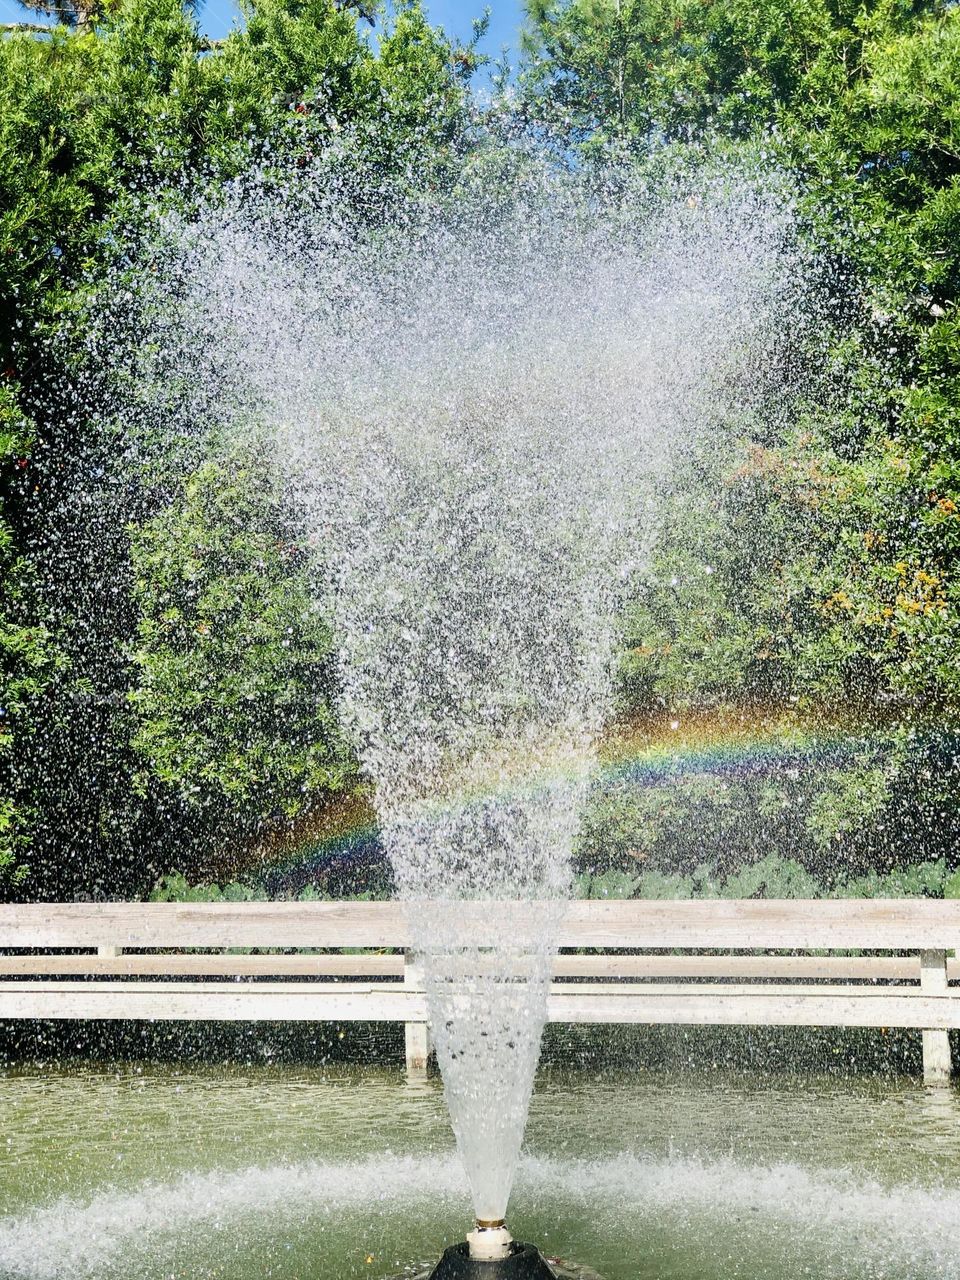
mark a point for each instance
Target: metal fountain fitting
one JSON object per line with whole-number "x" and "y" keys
{"x": 490, "y": 1241}
{"x": 559, "y": 1269}
{"x": 519, "y": 1262}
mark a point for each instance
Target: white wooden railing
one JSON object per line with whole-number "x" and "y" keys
{"x": 634, "y": 962}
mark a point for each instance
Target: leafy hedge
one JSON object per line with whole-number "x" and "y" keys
{"x": 770, "y": 877}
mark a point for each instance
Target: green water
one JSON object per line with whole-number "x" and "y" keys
{"x": 165, "y": 1174}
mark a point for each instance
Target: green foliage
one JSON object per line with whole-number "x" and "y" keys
{"x": 174, "y": 887}
{"x": 835, "y": 804}
{"x": 233, "y": 690}
{"x": 820, "y": 566}
{"x": 29, "y": 661}
{"x": 13, "y": 872}
{"x": 131, "y": 108}
{"x": 621, "y": 68}
{"x": 772, "y": 876}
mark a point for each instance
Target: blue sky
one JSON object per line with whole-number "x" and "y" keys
{"x": 454, "y": 16}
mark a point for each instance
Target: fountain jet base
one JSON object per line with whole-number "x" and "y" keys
{"x": 523, "y": 1262}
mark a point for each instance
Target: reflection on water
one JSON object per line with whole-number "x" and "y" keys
{"x": 346, "y": 1172}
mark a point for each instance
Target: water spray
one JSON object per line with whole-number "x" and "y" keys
{"x": 473, "y": 411}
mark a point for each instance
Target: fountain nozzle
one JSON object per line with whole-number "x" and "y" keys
{"x": 490, "y": 1253}
{"x": 490, "y": 1240}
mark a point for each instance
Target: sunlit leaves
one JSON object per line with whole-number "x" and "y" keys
{"x": 233, "y": 658}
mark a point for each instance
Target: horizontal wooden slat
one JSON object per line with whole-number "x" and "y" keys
{"x": 689, "y": 1004}
{"x": 204, "y": 924}
{"x": 214, "y": 1001}
{"x": 839, "y": 968}
{"x": 776, "y": 990}
{"x": 335, "y": 965}
{"x": 758, "y": 1008}
{"x": 803, "y": 924}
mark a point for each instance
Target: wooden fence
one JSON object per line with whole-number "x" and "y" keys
{"x": 760, "y": 963}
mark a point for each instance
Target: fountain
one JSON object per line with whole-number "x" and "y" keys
{"x": 472, "y": 408}
{"x": 499, "y": 1258}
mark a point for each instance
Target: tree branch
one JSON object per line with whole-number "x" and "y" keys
{"x": 35, "y": 27}
{"x": 41, "y": 28}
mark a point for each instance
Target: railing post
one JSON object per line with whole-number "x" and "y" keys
{"x": 936, "y": 1044}
{"x": 109, "y": 951}
{"x": 416, "y": 1034}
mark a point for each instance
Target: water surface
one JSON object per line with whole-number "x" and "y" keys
{"x": 345, "y": 1171}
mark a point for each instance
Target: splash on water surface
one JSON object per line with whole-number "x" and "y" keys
{"x": 782, "y": 1217}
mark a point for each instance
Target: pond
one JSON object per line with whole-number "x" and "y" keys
{"x": 164, "y": 1173}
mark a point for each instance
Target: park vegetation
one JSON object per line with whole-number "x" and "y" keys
{"x": 166, "y": 686}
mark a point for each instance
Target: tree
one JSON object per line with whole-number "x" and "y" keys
{"x": 834, "y": 546}
{"x": 234, "y": 695}
{"x": 95, "y": 126}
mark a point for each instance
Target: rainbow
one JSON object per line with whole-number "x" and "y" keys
{"x": 651, "y": 752}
